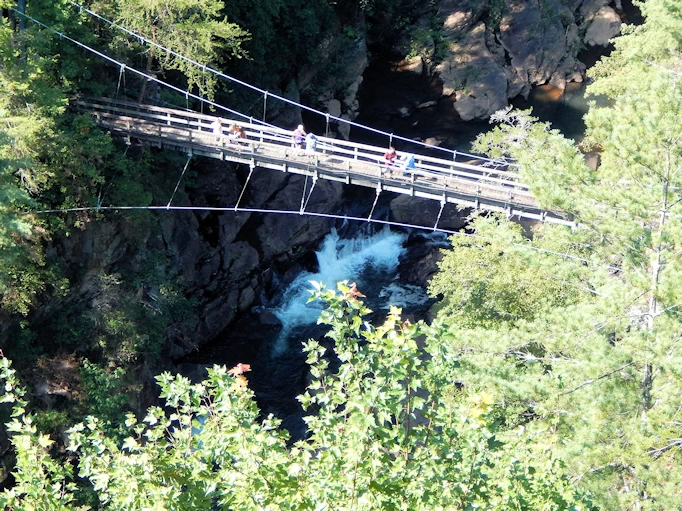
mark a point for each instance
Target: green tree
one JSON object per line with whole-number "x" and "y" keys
{"x": 388, "y": 429}
{"x": 192, "y": 28}
{"x": 596, "y": 375}
{"x": 495, "y": 277}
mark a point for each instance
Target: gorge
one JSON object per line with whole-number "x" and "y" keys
{"x": 544, "y": 358}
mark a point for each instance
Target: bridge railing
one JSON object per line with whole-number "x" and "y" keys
{"x": 204, "y": 124}
{"x": 189, "y": 127}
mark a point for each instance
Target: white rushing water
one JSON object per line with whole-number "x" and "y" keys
{"x": 338, "y": 259}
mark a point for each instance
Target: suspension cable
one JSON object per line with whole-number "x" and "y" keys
{"x": 189, "y": 157}
{"x": 123, "y": 66}
{"x": 209, "y": 69}
{"x": 390, "y": 223}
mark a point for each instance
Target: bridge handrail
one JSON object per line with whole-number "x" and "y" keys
{"x": 141, "y": 108}
{"x": 208, "y": 139}
{"x": 168, "y": 118}
{"x": 204, "y": 122}
{"x": 278, "y": 140}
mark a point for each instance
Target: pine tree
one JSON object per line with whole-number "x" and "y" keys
{"x": 596, "y": 373}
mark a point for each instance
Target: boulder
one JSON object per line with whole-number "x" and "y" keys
{"x": 246, "y": 298}
{"x": 279, "y": 234}
{"x": 338, "y": 91}
{"x": 239, "y": 259}
{"x": 334, "y": 107}
{"x": 406, "y": 209}
{"x": 534, "y": 44}
{"x": 219, "y": 313}
{"x": 604, "y": 26}
{"x": 267, "y": 317}
{"x": 472, "y": 73}
{"x": 344, "y": 128}
{"x": 419, "y": 262}
{"x": 411, "y": 65}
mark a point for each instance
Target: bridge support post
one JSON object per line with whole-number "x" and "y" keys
{"x": 376, "y": 198}
{"x": 236, "y": 206}
{"x": 442, "y": 205}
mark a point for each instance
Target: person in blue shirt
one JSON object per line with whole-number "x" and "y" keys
{"x": 407, "y": 163}
{"x": 310, "y": 143}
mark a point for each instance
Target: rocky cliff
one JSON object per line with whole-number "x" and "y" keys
{"x": 224, "y": 260}
{"x": 486, "y": 53}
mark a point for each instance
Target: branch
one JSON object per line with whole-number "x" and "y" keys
{"x": 656, "y": 453}
{"x": 590, "y": 382}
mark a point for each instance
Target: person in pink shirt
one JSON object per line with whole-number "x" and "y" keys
{"x": 389, "y": 160}
{"x": 299, "y": 136}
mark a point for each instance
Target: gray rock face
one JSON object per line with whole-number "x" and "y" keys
{"x": 473, "y": 74}
{"x": 223, "y": 257}
{"x": 409, "y": 210}
{"x": 535, "y": 41}
{"x": 497, "y": 51}
{"x": 339, "y": 89}
{"x": 604, "y": 26}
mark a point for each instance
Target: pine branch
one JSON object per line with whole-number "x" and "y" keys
{"x": 656, "y": 453}
{"x": 590, "y": 382}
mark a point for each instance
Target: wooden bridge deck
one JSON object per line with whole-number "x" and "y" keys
{"x": 471, "y": 184}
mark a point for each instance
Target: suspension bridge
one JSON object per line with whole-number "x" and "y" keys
{"x": 465, "y": 180}
{"x": 469, "y": 184}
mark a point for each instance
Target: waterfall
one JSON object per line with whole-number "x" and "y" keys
{"x": 367, "y": 260}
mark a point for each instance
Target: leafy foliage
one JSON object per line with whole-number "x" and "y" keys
{"x": 389, "y": 429}
{"x": 191, "y": 28}
{"x": 494, "y": 277}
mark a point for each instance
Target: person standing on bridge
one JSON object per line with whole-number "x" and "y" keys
{"x": 217, "y": 128}
{"x": 299, "y": 136}
{"x": 389, "y": 160}
{"x": 310, "y": 143}
{"x": 408, "y": 165}
{"x": 235, "y": 135}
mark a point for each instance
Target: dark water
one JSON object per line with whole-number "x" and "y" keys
{"x": 370, "y": 257}
{"x": 388, "y": 91}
